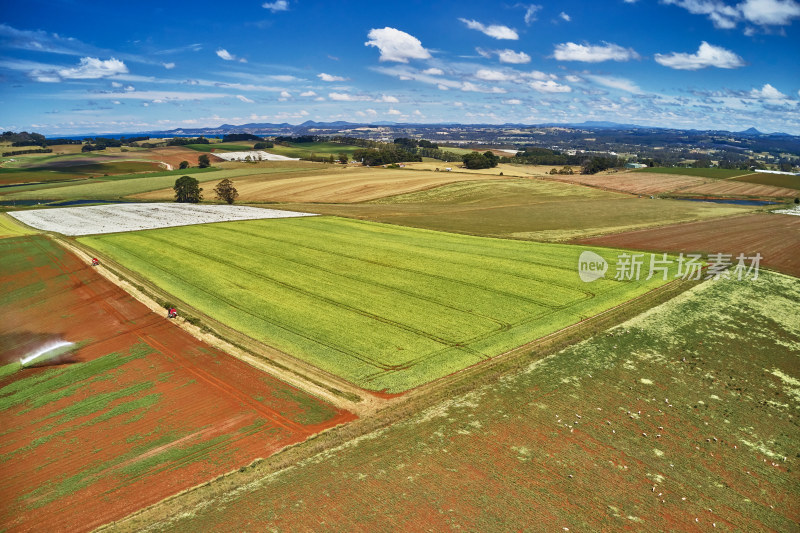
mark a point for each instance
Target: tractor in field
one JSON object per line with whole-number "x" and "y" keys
{"x": 95, "y": 262}
{"x": 172, "y": 313}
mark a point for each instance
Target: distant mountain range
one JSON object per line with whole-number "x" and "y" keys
{"x": 284, "y": 128}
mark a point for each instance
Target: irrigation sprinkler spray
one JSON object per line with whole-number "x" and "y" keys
{"x": 47, "y": 351}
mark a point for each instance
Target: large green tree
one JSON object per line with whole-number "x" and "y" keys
{"x": 203, "y": 161}
{"x": 188, "y": 190}
{"x": 226, "y": 191}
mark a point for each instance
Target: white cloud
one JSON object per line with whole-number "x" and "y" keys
{"x": 550, "y": 87}
{"x": 616, "y": 83}
{"x": 168, "y": 66}
{"x": 539, "y": 75}
{"x": 707, "y": 55}
{"x": 244, "y": 99}
{"x": 393, "y": 112}
{"x": 512, "y": 101}
{"x": 224, "y": 54}
{"x": 286, "y": 94}
{"x": 308, "y": 93}
{"x": 593, "y": 53}
{"x": 93, "y": 68}
{"x": 510, "y": 56}
{"x": 573, "y": 78}
{"x": 347, "y": 97}
{"x": 530, "y": 13}
{"x": 330, "y": 77}
{"x": 396, "y": 45}
{"x": 565, "y": 17}
{"x": 493, "y": 75}
{"x": 770, "y": 12}
{"x": 759, "y": 12}
{"x": 767, "y": 92}
{"x": 494, "y": 30}
{"x": 116, "y": 84}
{"x": 433, "y": 71}
{"x": 278, "y": 5}
{"x": 442, "y": 87}
{"x": 388, "y": 99}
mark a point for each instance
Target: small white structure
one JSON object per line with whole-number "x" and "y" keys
{"x": 778, "y": 172}
{"x": 255, "y": 155}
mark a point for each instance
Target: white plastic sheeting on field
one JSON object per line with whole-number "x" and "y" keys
{"x": 113, "y": 218}
{"x": 254, "y": 156}
{"x": 793, "y": 211}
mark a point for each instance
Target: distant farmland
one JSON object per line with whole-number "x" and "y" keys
{"x": 717, "y": 173}
{"x": 387, "y": 308}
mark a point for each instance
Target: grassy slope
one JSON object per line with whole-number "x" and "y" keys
{"x": 776, "y": 180}
{"x": 524, "y": 209}
{"x": 710, "y": 380}
{"x": 221, "y": 147}
{"x": 9, "y": 227}
{"x": 306, "y": 149}
{"x": 384, "y": 307}
{"x": 721, "y": 173}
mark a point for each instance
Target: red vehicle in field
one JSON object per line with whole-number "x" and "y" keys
{"x": 172, "y": 313}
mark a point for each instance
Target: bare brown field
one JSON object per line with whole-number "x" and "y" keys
{"x": 739, "y": 188}
{"x": 775, "y": 237}
{"x": 637, "y": 182}
{"x": 173, "y": 155}
{"x": 508, "y": 170}
{"x": 339, "y": 185}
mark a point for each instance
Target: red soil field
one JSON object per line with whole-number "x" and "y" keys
{"x": 775, "y": 237}
{"x": 175, "y": 154}
{"x": 137, "y": 411}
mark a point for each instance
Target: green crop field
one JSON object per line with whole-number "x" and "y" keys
{"x": 221, "y": 147}
{"x": 684, "y": 419}
{"x": 776, "y": 180}
{"x": 385, "y": 307}
{"x": 720, "y": 173}
{"x": 317, "y": 148}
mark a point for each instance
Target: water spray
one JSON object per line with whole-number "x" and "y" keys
{"x": 47, "y": 351}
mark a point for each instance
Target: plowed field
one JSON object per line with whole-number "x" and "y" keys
{"x": 775, "y": 237}
{"x": 137, "y": 410}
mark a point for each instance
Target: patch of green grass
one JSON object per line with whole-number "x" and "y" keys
{"x": 198, "y": 451}
{"x": 220, "y": 147}
{"x": 719, "y": 173}
{"x": 776, "y": 180}
{"x": 383, "y": 306}
{"x": 312, "y": 411}
{"x": 317, "y": 148}
{"x": 55, "y": 383}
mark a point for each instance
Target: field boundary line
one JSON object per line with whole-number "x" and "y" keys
{"x": 283, "y": 369}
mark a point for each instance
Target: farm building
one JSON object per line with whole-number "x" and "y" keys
{"x": 635, "y": 165}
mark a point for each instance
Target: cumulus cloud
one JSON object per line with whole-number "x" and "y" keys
{"x": 396, "y": 45}
{"x": 308, "y": 93}
{"x": 90, "y": 68}
{"x": 393, "y": 112}
{"x": 512, "y": 57}
{"x": 707, "y": 55}
{"x": 278, "y": 5}
{"x": 493, "y": 75}
{"x": 493, "y": 30}
{"x": 329, "y": 77}
{"x": 760, "y": 12}
{"x": 593, "y": 53}
{"x": 286, "y": 94}
{"x": 512, "y": 101}
{"x": 388, "y": 99}
{"x": 767, "y": 92}
{"x": 550, "y": 87}
{"x": 347, "y": 97}
{"x": 244, "y": 99}
{"x": 433, "y": 71}
{"x": 168, "y": 66}
{"x": 563, "y": 16}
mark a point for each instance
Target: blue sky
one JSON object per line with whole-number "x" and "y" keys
{"x": 70, "y": 67}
